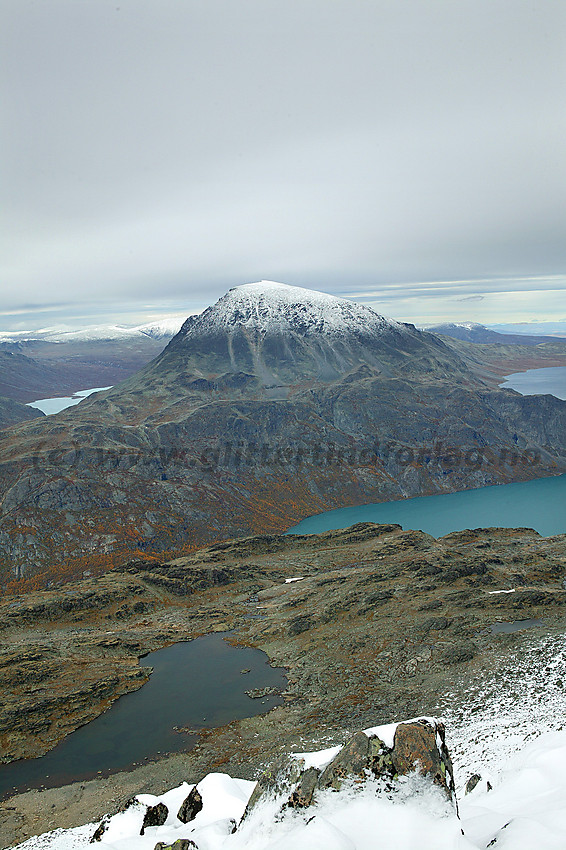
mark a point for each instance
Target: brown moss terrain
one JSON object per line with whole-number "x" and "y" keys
{"x": 382, "y": 623}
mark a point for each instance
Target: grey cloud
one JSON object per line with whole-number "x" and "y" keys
{"x": 178, "y": 148}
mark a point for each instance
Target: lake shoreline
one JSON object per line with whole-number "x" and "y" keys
{"x": 410, "y": 514}
{"x": 539, "y": 381}
{"x": 138, "y": 726}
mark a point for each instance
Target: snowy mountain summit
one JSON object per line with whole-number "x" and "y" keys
{"x": 285, "y": 335}
{"x": 270, "y": 307}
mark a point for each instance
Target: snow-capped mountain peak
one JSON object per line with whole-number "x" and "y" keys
{"x": 268, "y": 306}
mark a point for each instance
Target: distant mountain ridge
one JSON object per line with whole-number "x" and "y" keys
{"x": 473, "y": 332}
{"x": 60, "y": 362}
{"x": 163, "y": 329}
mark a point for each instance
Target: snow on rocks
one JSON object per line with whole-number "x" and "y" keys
{"x": 524, "y": 809}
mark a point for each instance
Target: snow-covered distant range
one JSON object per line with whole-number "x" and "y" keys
{"x": 162, "y": 330}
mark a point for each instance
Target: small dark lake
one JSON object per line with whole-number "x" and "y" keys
{"x": 514, "y": 626}
{"x": 196, "y": 684}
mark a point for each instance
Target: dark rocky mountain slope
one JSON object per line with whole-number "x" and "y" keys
{"x": 12, "y": 412}
{"x": 273, "y": 404}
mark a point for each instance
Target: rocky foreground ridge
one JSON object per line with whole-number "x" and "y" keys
{"x": 380, "y": 623}
{"x": 273, "y": 404}
{"x": 383, "y": 756}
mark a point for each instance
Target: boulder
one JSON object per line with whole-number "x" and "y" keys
{"x": 415, "y": 746}
{"x": 303, "y": 794}
{"x": 472, "y": 782}
{"x": 461, "y": 651}
{"x": 179, "y": 844}
{"x": 154, "y": 816}
{"x": 190, "y": 807}
{"x": 352, "y": 760}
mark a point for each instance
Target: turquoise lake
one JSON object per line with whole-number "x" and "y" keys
{"x": 539, "y": 504}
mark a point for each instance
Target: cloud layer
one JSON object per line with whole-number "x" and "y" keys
{"x": 174, "y": 149}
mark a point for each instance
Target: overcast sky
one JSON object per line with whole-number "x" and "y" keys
{"x": 408, "y": 152}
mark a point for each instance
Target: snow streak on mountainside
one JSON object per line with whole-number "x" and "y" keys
{"x": 270, "y": 307}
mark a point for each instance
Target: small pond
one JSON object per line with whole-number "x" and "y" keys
{"x": 49, "y": 406}
{"x": 198, "y": 684}
{"x": 514, "y": 626}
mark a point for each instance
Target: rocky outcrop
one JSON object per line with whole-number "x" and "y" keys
{"x": 154, "y": 816}
{"x": 418, "y": 746}
{"x": 190, "y": 807}
{"x": 352, "y": 760}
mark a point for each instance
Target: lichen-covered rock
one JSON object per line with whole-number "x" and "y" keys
{"x": 415, "y": 747}
{"x": 352, "y": 760}
{"x": 278, "y": 778}
{"x": 302, "y": 795}
{"x": 154, "y": 816}
{"x": 380, "y": 761}
{"x": 179, "y": 844}
{"x": 191, "y": 806}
